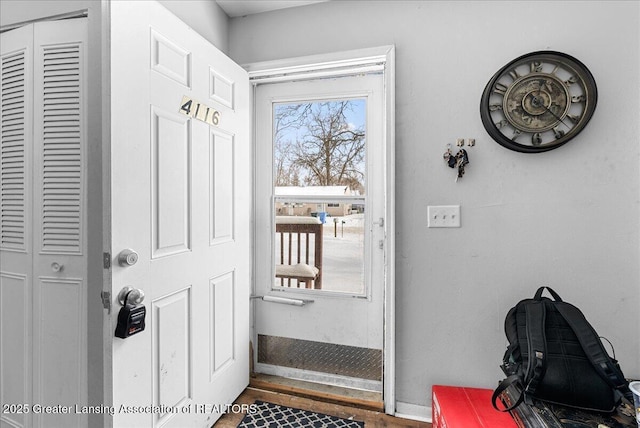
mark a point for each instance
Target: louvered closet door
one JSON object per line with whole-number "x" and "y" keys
{"x": 16, "y": 249}
{"x": 59, "y": 289}
{"x": 43, "y": 212}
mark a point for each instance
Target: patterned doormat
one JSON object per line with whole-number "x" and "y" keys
{"x": 271, "y": 415}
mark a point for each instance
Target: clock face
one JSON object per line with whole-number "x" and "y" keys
{"x": 538, "y": 101}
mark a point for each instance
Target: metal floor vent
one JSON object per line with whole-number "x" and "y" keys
{"x": 362, "y": 363}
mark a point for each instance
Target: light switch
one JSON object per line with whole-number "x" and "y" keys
{"x": 443, "y": 216}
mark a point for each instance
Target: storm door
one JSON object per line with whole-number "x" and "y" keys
{"x": 320, "y": 230}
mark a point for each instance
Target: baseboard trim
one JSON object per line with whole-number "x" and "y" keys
{"x": 413, "y": 411}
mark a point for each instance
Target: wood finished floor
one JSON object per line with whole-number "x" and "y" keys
{"x": 372, "y": 419}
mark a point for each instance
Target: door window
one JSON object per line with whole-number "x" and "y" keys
{"x": 320, "y": 194}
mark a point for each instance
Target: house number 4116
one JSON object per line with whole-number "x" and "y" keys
{"x": 197, "y": 110}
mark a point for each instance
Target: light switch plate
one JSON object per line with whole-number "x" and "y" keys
{"x": 443, "y": 216}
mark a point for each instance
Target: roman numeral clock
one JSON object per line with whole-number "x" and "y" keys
{"x": 538, "y": 101}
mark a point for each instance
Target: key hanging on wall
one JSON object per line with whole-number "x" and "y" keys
{"x": 461, "y": 159}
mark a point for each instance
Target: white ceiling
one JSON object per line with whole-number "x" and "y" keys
{"x": 234, "y": 8}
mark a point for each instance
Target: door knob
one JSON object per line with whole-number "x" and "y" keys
{"x": 133, "y": 296}
{"x": 127, "y": 257}
{"x": 57, "y": 267}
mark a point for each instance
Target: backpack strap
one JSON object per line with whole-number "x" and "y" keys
{"x": 592, "y": 347}
{"x": 535, "y": 313}
{"x": 555, "y": 295}
{"x": 506, "y": 383}
{"x": 511, "y": 331}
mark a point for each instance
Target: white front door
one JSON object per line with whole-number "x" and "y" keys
{"x": 180, "y": 198}
{"x": 308, "y": 133}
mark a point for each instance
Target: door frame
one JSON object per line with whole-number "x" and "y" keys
{"x": 105, "y": 133}
{"x": 343, "y": 64}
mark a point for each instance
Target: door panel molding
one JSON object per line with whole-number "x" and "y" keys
{"x": 172, "y": 349}
{"x": 171, "y": 171}
{"x": 221, "y": 89}
{"x": 15, "y": 346}
{"x": 223, "y": 325}
{"x": 221, "y": 171}
{"x": 170, "y": 60}
{"x": 59, "y": 349}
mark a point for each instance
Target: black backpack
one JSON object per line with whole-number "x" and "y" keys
{"x": 555, "y": 355}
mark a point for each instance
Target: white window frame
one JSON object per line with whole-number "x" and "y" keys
{"x": 345, "y": 64}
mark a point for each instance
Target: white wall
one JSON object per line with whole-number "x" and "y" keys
{"x": 569, "y": 218}
{"x": 205, "y": 17}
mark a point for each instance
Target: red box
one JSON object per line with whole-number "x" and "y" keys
{"x": 462, "y": 407}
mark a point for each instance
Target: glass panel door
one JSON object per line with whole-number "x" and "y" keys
{"x": 319, "y": 238}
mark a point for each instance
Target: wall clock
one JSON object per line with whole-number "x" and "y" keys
{"x": 538, "y": 101}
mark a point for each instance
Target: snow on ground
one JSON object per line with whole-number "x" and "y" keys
{"x": 343, "y": 254}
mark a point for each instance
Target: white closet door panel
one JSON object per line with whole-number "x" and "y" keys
{"x": 42, "y": 249}
{"x": 59, "y": 349}
{"x": 16, "y": 142}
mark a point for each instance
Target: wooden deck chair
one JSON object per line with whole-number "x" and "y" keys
{"x": 300, "y": 241}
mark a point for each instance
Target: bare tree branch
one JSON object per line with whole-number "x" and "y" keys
{"x": 327, "y": 150}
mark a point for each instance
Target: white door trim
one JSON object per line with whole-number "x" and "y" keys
{"x": 343, "y": 64}
{"x": 84, "y": 13}
{"x": 107, "y": 298}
